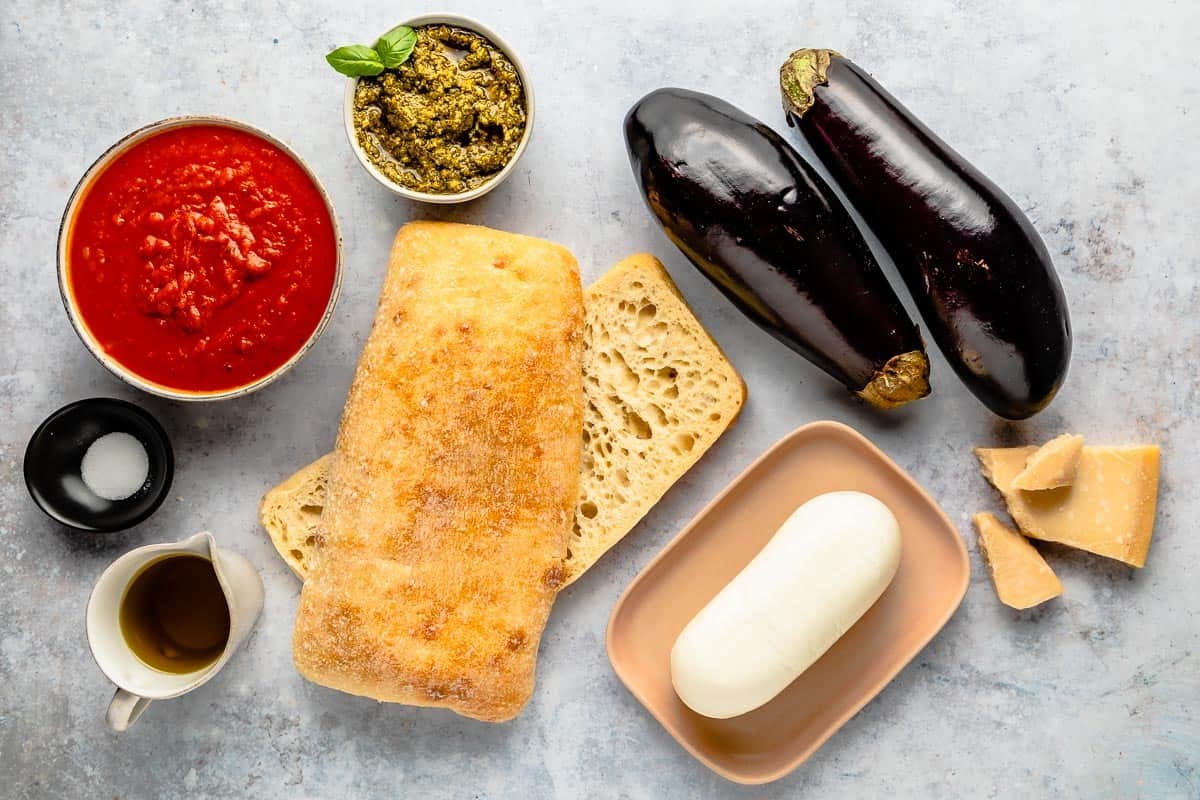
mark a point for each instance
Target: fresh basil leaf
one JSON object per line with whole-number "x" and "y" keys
{"x": 395, "y": 46}
{"x": 355, "y": 60}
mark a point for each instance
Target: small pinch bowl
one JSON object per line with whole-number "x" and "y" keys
{"x": 55, "y": 452}
{"x": 466, "y": 23}
{"x": 64, "y": 233}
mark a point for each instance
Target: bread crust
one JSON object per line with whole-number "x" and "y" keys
{"x": 454, "y": 477}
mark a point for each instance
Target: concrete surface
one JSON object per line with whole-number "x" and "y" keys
{"x": 1087, "y": 112}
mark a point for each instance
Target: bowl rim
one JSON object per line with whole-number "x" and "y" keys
{"x": 133, "y": 408}
{"x": 473, "y": 25}
{"x": 97, "y": 168}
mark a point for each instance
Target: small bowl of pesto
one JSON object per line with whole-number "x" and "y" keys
{"x": 439, "y": 110}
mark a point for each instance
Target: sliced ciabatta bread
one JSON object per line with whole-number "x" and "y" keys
{"x": 291, "y": 512}
{"x": 658, "y": 393}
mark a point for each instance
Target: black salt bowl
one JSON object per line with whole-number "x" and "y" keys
{"x": 55, "y": 453}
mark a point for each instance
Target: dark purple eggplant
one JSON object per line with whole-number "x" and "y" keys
{"x": 767, "y": 230}
{"x": 978, "y": 270}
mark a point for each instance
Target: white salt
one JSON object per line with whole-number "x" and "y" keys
{"x": 115, "y": 466}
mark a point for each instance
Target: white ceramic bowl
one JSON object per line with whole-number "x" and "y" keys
{"x": 64, "y": 288}
{"x": 479, "y": 191}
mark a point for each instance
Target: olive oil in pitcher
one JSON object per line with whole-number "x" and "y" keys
{"x": 174, "y": 616}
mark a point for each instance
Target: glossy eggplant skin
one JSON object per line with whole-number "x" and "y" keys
{"x": 980, "y": 274}
{"x": 764, "y": 227}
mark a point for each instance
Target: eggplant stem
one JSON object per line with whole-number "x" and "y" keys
{"x": 902, "y": 379}
{"x": 800, "y": 75}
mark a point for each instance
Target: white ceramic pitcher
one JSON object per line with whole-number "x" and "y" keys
{"x": 137, "y": 683}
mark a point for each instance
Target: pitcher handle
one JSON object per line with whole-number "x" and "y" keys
{"x": 124, "y": 709}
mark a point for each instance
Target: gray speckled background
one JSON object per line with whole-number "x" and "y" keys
{"x": 1087, "y": 112}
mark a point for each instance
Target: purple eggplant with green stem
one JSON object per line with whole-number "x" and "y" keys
{"x": 980, "y": 274}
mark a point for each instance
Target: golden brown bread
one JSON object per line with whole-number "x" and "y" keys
{"x": 658, "y": 393}
{"x": 454, "y": 477}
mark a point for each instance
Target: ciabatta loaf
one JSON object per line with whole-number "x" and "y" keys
{"x": 453, "y": 479}
{"x": 697, "y": 389}
{"x": 691, "y": 381}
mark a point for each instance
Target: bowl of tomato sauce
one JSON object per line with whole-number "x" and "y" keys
{"x": 199, "y": 258}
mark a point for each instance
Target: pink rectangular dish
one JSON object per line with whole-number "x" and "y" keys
{"x": 771, "y": 741}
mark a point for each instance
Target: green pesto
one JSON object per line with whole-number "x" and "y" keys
{"x": 447, "y": 119}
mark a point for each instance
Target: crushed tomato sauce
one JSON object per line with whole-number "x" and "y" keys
{"x": 202, "y": 258}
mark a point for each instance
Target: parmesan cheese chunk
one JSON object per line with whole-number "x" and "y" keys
{"x": 1021, "y": 576}
{"x": 1053, "y": 465}
{"x": 1108, "y": 510}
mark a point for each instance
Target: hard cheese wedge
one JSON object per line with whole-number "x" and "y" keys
{"x": 1022, "y": 577}
{"x": 1054, "y": 464}
{"x": 1109, "y": 510}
